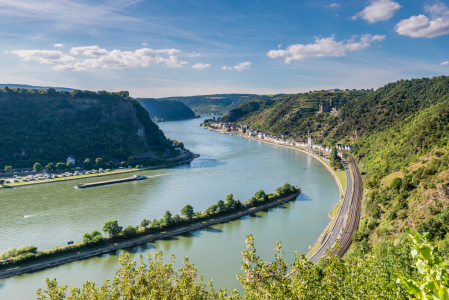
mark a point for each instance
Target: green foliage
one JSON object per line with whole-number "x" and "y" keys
{"x": 112, "y": 228}
{"x": 50, "y": 167}
{"x": 11, "y": 252}
{"x": 432, "y": 267}
{"x": 144, "y": 223}
{"x": 437, "y": 226}
{"x": 168, "y": 218}
{"x": 129, "y": 232}
{"x": 88, "y": 165}
{"x": 94, "y": 238}
{"x": 61, "y": 166}
{"x": 8, "y": 169}
{"x": 56, "y": 124}
{"x": 166, "y": 109}
{"x": 37, "y": 167}
{"x": 70, "y": 165}
{"x": 187, "y": 211}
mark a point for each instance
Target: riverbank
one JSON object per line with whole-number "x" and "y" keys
{"x": 85, "y": 176}
{"x": 94, "y": 251}
{"x": 341, "y": 183}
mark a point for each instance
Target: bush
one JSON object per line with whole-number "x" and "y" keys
{"x": 392, "y": 215}
{"x": 25, "y": 250}
{"x": 129, "y": 232}
{"x": 11, "y": 252}
{"x": 23, "y": 257}
{"x": 402, "y": 215}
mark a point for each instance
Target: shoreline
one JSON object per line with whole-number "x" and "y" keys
{"x": 322, "y": 238}
{"x": 87, "y": 253}
{"x": 101, "y": 175}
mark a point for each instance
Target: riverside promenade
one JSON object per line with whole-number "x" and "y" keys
{"x": 83, "y": 254}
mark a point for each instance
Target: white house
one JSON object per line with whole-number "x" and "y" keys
{"x": 71, "y": 159}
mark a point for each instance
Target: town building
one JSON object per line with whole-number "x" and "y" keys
{"x": 310, "y": 141}
{"x": 71, "y": 159}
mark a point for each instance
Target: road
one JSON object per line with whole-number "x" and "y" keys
{"x": 342, "y": 214}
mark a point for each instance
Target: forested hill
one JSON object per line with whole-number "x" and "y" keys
{"x": 291, "y": 114}
{"x": 219, "y": 104}
{"x": 50, "y": 125}
{"x": 400, "y": 135}
{"x": 166, "y": 109}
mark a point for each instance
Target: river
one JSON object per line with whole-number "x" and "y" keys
{"x": 58, "y": 213}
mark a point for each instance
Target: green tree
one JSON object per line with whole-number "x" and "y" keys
{"x": 221, "y": 206}
{"x": 8, "y": 169}
{"x": 167, "y": 218}
{"x": 87, "y": 164}
{"x": 261, "y": 196}
{"x": 37, "y": 167}
{"x": 2, "y": 181}
{"x": 112, "y": 228}
{"x": 50, "y": 167}
{"x": 177, "y": 219}
{"x": 144, "y": 223}
{"x": 155, "y": 224}
{"x": 123, "y": 164}
{"x": 129, "y": 232}
{"x": 99, "y": 162}
{"x": 61, "y": 166}
{"x": 187, "y": 211}
{"x": 93, "y": 238}
{"x": 70, "y": 165}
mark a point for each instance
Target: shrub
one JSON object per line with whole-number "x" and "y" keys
{"x": 11, "y": 252}
{"x": 129, "y": 232}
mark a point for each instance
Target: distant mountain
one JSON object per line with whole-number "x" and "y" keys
{"x": 219, "y": 104}
{"x": 48, "y": 125}
{"x": 30, "y": 87}
{"x": 167, "y": 110}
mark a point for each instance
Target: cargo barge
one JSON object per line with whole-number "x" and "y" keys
{"x": 87, "y": 185}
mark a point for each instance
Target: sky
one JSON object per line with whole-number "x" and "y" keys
{"x": 193, "y": 47}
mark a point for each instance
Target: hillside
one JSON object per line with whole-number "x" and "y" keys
{"x": 48, "y": 125}
{"x": 31, "y": 87}
{"x": 293, "y": 114}
{"x": 400, "y": 135}
{"x": 166, "y": 109}
{"x": 219, "y": 104}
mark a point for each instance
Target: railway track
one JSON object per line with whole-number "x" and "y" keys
{"x": 354, "y": 214}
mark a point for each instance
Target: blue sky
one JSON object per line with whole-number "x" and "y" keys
{"x": 174, "y": 48}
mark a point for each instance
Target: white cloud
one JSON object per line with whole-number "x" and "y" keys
{"x": 58, "y": 45}
{"x": 325, "y": 47}
{"x": 240, "y": 67}
{"x": 144, "y": 44}
{"x": 98, "y": 58}
{"x": 200, "y": 66}
{"x": 279, "y": 46}
{"x": 194, "y": 54}
{"x": 444, "y": 63}
{"x": 422, "y": 26}
{"x": 93, "y": 51}
{"x": 379, "y": 10}
{"x": 334, "y": 5}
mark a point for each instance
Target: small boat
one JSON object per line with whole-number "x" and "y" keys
{"x": 80, "y": 186}
{"x": 138, "y": 177}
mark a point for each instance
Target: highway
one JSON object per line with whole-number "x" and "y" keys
{"x": 352, "y": 204}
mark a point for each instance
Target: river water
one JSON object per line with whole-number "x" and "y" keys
{"x": 58, "y": 213}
